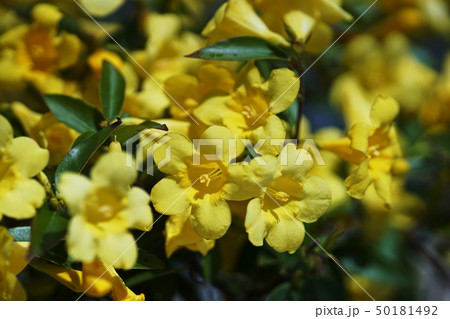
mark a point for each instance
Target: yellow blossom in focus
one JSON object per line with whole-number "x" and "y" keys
{"x": 179, "y": 233}
{"x": 37, "y": 52}
{"x": 250, "y": 111}
{"x": 46, "y": 131}
{"x": 204, "y": 186}
{"x": 288, "y": 200}
{"x": 12, "y": 262}
{"x": 20, "y": 159}
{"x": 103, "y": 209}
{"x": 374, "y": 148}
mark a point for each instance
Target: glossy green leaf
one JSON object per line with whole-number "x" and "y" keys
{"x": 112, "y": 90}
{"x": 148, "y": 261}
{"x": 125, "y": 132}
{"x": 79, "y": 156}
{"x": 20, "y": 233}
{"x": 48, "y": 228}
{"x": 75, "y": 113}
{"x": 241, "y": 49}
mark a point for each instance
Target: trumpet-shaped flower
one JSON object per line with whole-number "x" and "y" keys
{"x": 374, "y": 148}
{"x": 20, "y": 159}
{"x": 250, "y": 111}
{"x": 289, "y": 199}
{"x": 12, "y": 262}
{"x": 103, "y": 209}
{"x": 204, "y": 186}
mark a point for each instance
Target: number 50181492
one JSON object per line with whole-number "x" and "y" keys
{"x": 406, "y": 310}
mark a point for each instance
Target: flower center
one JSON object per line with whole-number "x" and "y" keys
{"x": 249, "y": 112}
{"x": 211, "y": 176}
{"x": 278, "y": 195}
{"x": 374, "y": 150}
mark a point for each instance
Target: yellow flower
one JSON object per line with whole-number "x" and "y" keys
{"x": 203, "y": 186}
{"x": 103, "y": 209}
{"x": 12, "y": 262}
{"x": 38, "y": 51}
{"x": 20, "y": 159}
{"x": 238, "y": 18}
{"x": 101, "y": 8}
{"x": 288, "y": 200}
{"x": 374, "y": 148}
{"x": 180, "y": 233}
{"x": 250, "y": 111}
{"x": 96, "y": 279}
{"x": 47, "y": 131}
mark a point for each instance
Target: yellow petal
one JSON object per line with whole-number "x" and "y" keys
{"x": 69, "y": 49}
{"x": 211, "y": 219}
{"x": 258, "y": 222}
{"x": 27, "y": 156}
{"x": 6, "y": 132}
{"x": 101, "y": 8}
{"x": 384, "y": 111}
{"x": 46, "y": 15}
{"x": 342, "y": 149}
{"x": 212, "y": 111}
{"x": 274, "y": 129}
{"x": 172, "y": 152}
{"x": 224, "y": 141}
{"x": 18, "y": 259}
{"x": 169, "y": 198}
{"x": 22, "y": 201}
{"x": 74, "y": 189}
{"x": 80, "y": 240}
{"x": 119, "y": 250}
{"x": 302, "y": 24}
{"x": 284, "y": 87}
{"x": 113, "y": 169}
{"x": 358, "y": 182}
{"x": 295, "y": 163}
{"x": 96, "y": 283}
{"x": 317, "y": 199}
{"x": 247, "y": 181}
{"x": 286, "y": 235}
{"x": 359, "y": 136}
{"x": 138, "y": 210}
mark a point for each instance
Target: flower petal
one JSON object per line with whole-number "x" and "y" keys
{"x": 358, "y": 182}
{"x": 112, "y": 169}
{"x": 258, "y": 222}
{"x": 119, "y": 250}
{"x": 295, "y": 163}
{"x": 138, "y": 211}
{"x": 27, "y": 156}
{"x": 169, "y": 198}
{"x": 284, "y": 87}
{"x": 171, "y": 153}
{"x": 384, "y": 111}
{"x": 22, "y": 201}
{"x": 74, "y": 189}
{"x": 80, "y": 241}
{"x": 6, "y": 132}
{"x": 286, "y": 235}
{"x": 317, "y": 199}
{"x": 211, "y": 219}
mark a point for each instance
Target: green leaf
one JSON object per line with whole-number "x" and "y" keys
{"x": 20, "y": 233}
{"x": 83, "y": 137}
{"x": 48, "y": 228}
{"x": 241, "y": 49}
{"x": 112, "y": 90}
{"x": 79, "y": 156}
{"x": 126, "y": 132}
{"x": 75, "y": 113}
{"x": 148, "y": 261}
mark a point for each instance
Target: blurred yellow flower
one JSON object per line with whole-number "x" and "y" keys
{"x": 103, "y": 209}
{"x": 101, "y": 8}
{"x": 250, "y": 111}
{"x": 12, "y": 262}
{"x": 20, "y": 159}
{"x": 35, "y": 53}
{"x": 374, "y": 148}
{"x": 289, "y": 199}
{"x": 179, "y": 233}
{"x": 46, "y": 131}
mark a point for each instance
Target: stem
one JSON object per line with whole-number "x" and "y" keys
{"x": 298, "y": 65}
